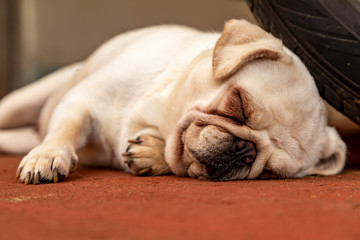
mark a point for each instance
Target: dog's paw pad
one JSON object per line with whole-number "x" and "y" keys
{"x": 145, "y": 156}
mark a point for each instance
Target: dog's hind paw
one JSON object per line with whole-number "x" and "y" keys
{"x": 145, "y": 156}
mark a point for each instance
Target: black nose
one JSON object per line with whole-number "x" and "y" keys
{"x": 231, "y": 156}
{"x": 246, "y": 151}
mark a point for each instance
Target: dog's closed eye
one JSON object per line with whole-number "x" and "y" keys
{"x": 232, "y": 106}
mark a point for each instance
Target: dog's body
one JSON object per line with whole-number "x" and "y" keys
{"x": 173, "y": 99}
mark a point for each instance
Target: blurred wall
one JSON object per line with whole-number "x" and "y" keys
{"x": 4, "y": 48}
{"x": 53, "y": 33}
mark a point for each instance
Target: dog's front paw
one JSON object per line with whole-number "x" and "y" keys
{"x": 47, "y": 163}
{"x": 145, "y": 156}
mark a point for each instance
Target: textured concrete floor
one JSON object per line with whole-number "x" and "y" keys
{"x": 106, "y": 204}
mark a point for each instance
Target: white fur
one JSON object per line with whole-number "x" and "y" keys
{"x": 148, "y": 82}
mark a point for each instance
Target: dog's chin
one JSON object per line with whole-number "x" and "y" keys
{"x": 201, "y": 143}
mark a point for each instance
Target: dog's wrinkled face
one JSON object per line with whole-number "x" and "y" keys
{"x": 266, "y": 120}
{"x": 218, "y": 153}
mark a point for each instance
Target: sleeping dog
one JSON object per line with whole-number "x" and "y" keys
{"x": 172, "y": 99}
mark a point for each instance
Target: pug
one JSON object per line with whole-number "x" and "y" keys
{"x": 172, "y": 99}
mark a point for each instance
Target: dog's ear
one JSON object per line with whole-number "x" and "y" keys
{"x": 242, "y": 42}
{"x": 333, "y": 155}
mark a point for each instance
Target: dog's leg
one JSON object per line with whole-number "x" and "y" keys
{"x": 19, "y": 140}
{"x": 145, "y": 156}
{"x": 55, "y": 157}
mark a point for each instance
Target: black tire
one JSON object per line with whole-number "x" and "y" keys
{"x": 325, "y": 34}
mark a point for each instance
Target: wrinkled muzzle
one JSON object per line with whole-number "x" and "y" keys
{"x": 225, "y": 156}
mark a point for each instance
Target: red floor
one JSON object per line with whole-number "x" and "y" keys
{"x": 106, "y": 204}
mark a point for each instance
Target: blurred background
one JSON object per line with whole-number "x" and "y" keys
{"x": 39, "y": 36}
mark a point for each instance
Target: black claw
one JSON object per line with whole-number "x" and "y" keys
{"x": 37, "y": 178}
{"x": 55, "y": 175}
{"x": 128, "y": 148}
{"x": 127, "y": 154}
{"x": 18, "y": 172}
{"x": 136, "y": 141}
{"x": 27, "y": 179}
{"x": 144, "y": 171}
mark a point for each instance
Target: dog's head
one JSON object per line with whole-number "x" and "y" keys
{"x": 260, "y": 115}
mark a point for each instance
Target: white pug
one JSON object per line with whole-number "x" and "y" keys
{"x": 236, "y": 105}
